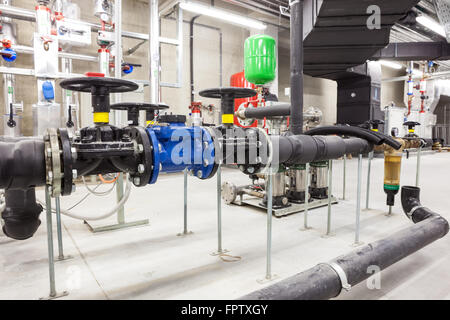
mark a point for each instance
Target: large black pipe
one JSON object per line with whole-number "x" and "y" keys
{"x": 369, "y": 135}
{"x": 323, "y": 282}
{"x": 296, "y": 120}
{"x": 302, "y": 149}
{"x": 22, "y": 168}
{"x": 21, "y": 214}
{"x": 22, "y": 163}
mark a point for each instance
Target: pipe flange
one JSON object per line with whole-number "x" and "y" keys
{"x": 341, "y": 274}
{"x": 53, "y": 162}
{"x": 269, "y": 144}
{"x": 67, "y": 162}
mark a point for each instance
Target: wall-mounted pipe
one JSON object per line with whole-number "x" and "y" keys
{"x": 191, "y": 55}
{"x": 29, "y": 15}
{"x": 326, "y": 280}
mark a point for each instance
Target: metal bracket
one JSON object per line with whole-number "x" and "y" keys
{"x": 285, "y": 11}
{"x": 342, "y": 276}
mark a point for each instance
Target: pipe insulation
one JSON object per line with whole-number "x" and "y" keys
{"x": 326, "y": 281}
{"x": 296, "y": 82}
{"x": 302, "y": 149}
{"x": 276, "y": 110}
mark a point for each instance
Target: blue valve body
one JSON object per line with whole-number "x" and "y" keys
{"x": 9, "y": 55}
{"x": 177, "y": 147}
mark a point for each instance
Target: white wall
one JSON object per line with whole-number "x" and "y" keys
{"x": 136, "y": 18}
{"x": 317, "y": 92}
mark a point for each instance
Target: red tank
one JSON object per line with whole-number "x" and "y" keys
{"x": 238, "y": 80}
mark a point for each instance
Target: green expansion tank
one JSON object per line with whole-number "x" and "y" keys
{"x": 260, "y": 59}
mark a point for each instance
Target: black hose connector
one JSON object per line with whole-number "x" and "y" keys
{"x": 21, "y": 214}
{"x": 412, "y": 207}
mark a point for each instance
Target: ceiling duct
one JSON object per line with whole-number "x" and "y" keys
{"x": 443, "y": 13}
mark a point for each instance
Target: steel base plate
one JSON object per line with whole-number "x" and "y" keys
{"x": 294, "y": 208}
{"x": 117, "y": 226}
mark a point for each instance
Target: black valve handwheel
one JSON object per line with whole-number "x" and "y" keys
{"x": 227, "y": 96}
{"x": 234, "y": 92}
{"x": 133, "y": 109}
{"x": 93, "y": 84}
{"x": 100, "y": 88}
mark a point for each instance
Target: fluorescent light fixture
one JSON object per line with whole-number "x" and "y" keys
{"x": 222, "y": 15}
{"x": 431, "y": 24}
{"x": 390, "y": 64}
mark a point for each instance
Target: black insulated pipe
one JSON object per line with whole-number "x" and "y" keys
{"x": 279, "y": 110}
{"x": 302, "y": 149}
{"x": 22, "y": 168}
{"x": 296, "y": 113}
{"x": 21, "y": 214}
{"x": 323, "y": 281}
{"x": 22, "y": 163}
{"x": 376, "y": 138}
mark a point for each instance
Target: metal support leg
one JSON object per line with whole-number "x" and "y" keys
{"x": 369, "y": 164}
{"x": 269, "y": 189}
{"x": 344, "y": 177}
{"x": 119, "y": 192}
{"x": 358, "y": 202}
{"x": 121, "y": 224}
{"x": 185, "y": 228}
{"x": 51, "y": 261}
{"x": 330, "y": 190}
{"x": 389, "y": 212}
{"x": 219, "y": 213}
{"x": 419, "y": 151}
{"x": 59, "y": 231}
{"x": 305, "y": 221}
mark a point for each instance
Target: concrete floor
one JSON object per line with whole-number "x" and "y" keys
{"x": 152, "y": 262}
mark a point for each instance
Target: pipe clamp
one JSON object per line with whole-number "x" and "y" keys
{"x": 342, "y": 276}
{"x": 411, "y": 212}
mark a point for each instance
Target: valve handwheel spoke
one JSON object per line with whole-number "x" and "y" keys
{"x": 133, "y": 109}
{"x": 234, "y": 92}
{"x": 92, "y": 84}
